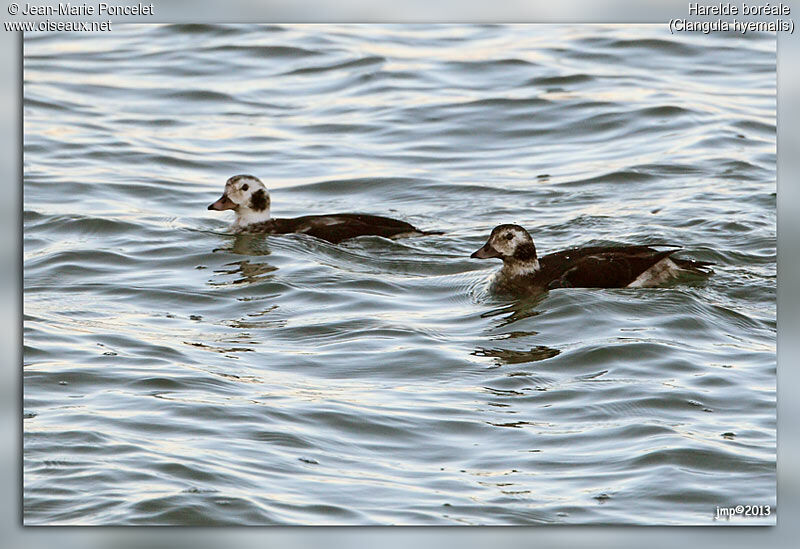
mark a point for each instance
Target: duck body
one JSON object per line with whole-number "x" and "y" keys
{"x": 249, "y": 198}
{"x": 336, "y": 227}
{"x": 590, "y": 267}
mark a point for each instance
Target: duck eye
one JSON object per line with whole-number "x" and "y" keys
{"x": 245, "y": 187}
{"x": 509, "y": 236}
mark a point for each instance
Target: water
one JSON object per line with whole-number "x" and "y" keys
{"x": 177, "y": 374}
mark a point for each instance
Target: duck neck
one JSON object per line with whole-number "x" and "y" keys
{"x": 245, "y": 217}
{"x": 523, "y": 262}
{"x": 515, "y": 267}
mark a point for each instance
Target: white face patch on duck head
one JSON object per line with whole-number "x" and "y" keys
{"x": 513, "y": 245}
{"x": 248, "y": 197}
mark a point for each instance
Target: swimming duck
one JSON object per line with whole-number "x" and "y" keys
{"x": 592, "y": 267}
{"x": 249, "y": 198}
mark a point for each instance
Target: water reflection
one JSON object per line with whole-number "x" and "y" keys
{"x": 250, "y": 272}
{"x": 247, "y": 244}
{"x": 508, "y": 314}
{"x": 516, "y": 311}
{"x": 513, "y": 335}
{"x": 509, "y": 356}
{"x": 218, "y": 349}
{"x": 254, "y": 320}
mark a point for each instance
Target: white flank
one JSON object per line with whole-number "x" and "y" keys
{"x": 656, "y": 275}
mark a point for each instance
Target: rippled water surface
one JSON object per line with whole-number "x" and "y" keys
{"x": 177, "y": 374}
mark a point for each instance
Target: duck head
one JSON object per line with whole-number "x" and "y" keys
{"x": 514, "y": 246}
{"x": 248, "y": 197}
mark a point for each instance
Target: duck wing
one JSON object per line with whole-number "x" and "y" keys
{"x": 600, "y": 267}
{"x": 338, "y": 227}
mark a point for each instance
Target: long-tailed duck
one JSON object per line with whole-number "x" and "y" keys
{"x": 591, "y": 267}
{"x": 249, "y": 198}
